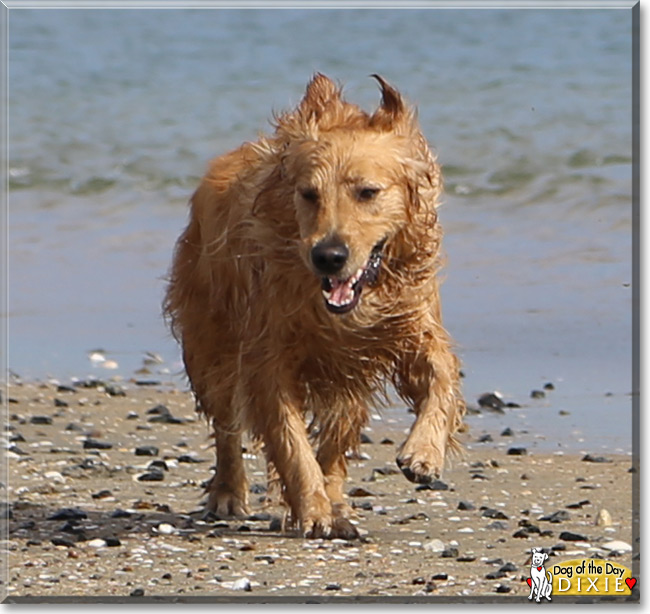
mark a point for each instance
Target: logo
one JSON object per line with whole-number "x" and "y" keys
{"x": 577, "y": 577}
{"x": 540, "y": 581}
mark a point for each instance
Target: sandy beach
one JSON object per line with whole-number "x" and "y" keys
{"x": 105, "y": 489}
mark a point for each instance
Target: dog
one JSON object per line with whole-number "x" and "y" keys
{"x": 303, "y": 285}
{"x": 541, "y": 585}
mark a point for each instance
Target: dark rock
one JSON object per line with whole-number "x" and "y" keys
{"x": 435, "y": 485}
{"x": 503, "y": 588}
{"x": 488, "y": 512}
{"x": 495, "y": 575}
{"x": 73, "y": 427}
{"x": 466, "y": 505}
{"x": 335, "y": 586}
{"x": 494, "y": 562}
{"x": 579, "y": 505}
{"x": 152, "y": 476}
{"x": 596, "y": 459}
{"x": 466, "y": 558}
{"x": 439, "y": 576}
{"x": 357, "y": 491}
{"x": 40, "y": 420}
{"x": 64, "y": 388}
{"x": 60, "y": 403}
{"x": 112, "y": 542}
{"x": 62, "y": 541}
{"x": 508, "y": 567}
{"x": 93, "y": 444}
{"x": 158, "y": 465}
{"x": 485, "y": 438}
{"x": 260, "y": 517}
{"x": 257, "y": 489}
{"x": 190, "y": 458}
{"x": 68, "y": 513}
{"x": 492, "y": 401}
{"x": 537, "y": 394}
{"x": 386, "y": 441}
{"x": 364, "y": 438}
{"x": 569, "y": 536}
{"x": 418, "y": 580}
{"x": 497, "y": 525}
{"x": 119, "y": 513}
{"x": 479, "y": 476}
{"x": 146, "y": 451}
{"x": 549, "y": 386}
{"x": 114, "y": 391}
{"x": 507, "y": 432}
{"x": 555, "y": 517}
{"x": 517, "y": 451}
{"x": 521, "y": 534}
{"x": 275, "y": 524}
{"x": 449, "y": 553}
{"x": 102, "y": 494}
{"x": 147, "y": 382}
{"x": 138, "y": 592}
{"x": 559, "y": 547}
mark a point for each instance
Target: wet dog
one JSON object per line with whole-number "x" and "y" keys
{"x": 304, "y": 283}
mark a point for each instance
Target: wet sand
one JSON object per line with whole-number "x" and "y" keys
{"x": 105, "y": 490}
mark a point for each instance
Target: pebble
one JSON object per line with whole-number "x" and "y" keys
{"x": 40, "y": 420}
{"x": 146, "y": 451}
{"x": 617, "y": 546}
{"x": 93, "y": 444}
{"x": 517, "y": 451}
{"x": 595, "y": 459}
{"x": 570, "y": 536}
{"x": 152, "y": 476}
{"x": 434, "y": 545}
{"x": 68, "y": 513}
{"x": 492, "y": 401}
{"x": 241, "y": 584}
{"x": 165, "y": 528}
{"x": 466, "y": 505}
{"x": 604, "y": 518}
{"x": 96, "y": 543}
{"x": 537, "y": 394}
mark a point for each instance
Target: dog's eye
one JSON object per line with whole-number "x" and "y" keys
{"x": 310, "y": 195}
{"x": 366, "y": 194}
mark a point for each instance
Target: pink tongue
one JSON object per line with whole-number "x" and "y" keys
{"x": 341, "y": 291}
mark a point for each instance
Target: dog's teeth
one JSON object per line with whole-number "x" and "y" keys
{"x": 327, "y": 295}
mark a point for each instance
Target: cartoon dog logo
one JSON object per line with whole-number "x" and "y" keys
{"x": 541, "y": 585}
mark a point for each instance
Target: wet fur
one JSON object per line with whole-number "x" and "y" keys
{"x": 262, "y": 352}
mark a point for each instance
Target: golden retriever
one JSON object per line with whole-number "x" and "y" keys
{"x": 305, "y": 283}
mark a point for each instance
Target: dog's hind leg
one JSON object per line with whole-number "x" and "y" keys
{"x": 429, "y": 380}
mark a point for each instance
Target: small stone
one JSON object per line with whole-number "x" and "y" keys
{"x": 158, "y": 465}
{"x": 138, "y": 592}
{"x": 449, "y": 553}
{"x": 507, "y": 432}
{"x": 488, "y": 512}
{"x": 537, "y": 394}
{"x": 132, "y": 415}
{"x": 62, "y": 541}
{"x": 68, "y": 513}
{"x": 466, "y": 505}
{"x": 165, "y": 528}
{"x": 570, "y": 536}
{"x": 64, "y": 388}
{"x": 93, "y": 444}
{"x": 556, "y": 517}
{"x": 434, "y": 545}
{"x": 386, "y": 441}
{"x": 617, "y": 546}
{"x": 503, "y": 588}
{"x": 418, "y": 580}
{"x": 96, "y": 543}
{"x": 434, "y": 485}
{"x": 497, "y": 525}
{"x": 360, "y": 492}
{"x": 40, "y": 420}
{"x": 364, "y": 438}
{"x": 495, "y": 575}
{"x": 190, "y": 458}
{"x": 549, "y": 386}
{"x": 114, "y": 390}
{"x": 152, "y": 476}
{"x": 492, "y": 401}
{"x": 146, "y": 451}
{"x": 60, "y": 403}
{"x": 113, "y": 542}
{"x": 102, "y": 494}
{"x": 440, "y": 576}
{"x": 466, "y": 558}
{"x": 517, "y": 451}
{"x": 595, "y": 459}
{"x": 604, "y": 518}
{"x": 508, "y": 567}
{"x": 485, "y": 438}
{"x": 335, "y": 586}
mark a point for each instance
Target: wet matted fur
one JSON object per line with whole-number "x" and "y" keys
{"x": 305, "y": 281}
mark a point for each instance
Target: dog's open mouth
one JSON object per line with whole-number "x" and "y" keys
{"x": 342, "y": 295}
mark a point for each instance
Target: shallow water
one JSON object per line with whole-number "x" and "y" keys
{"x": 114, "y": 115}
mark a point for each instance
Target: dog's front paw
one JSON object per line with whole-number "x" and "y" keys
{"x": 420, "y": 466}
{"x": 225, "y": 503}
{"x": 329, "y": 527}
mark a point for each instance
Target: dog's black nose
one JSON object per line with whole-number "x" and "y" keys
{"x": 330, "y": 256}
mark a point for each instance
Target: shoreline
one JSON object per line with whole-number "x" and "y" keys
{"x": 89, "y": 448}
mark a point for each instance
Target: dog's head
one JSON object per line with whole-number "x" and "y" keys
{"x": 538, "y": 557}
{"x": 358, "y": 180}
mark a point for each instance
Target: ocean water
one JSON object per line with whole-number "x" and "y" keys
{"x": 114, "y": 114}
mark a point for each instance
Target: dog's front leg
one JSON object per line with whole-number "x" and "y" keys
{"x": 429, "y": 380}
{"x": 287, "y": 446}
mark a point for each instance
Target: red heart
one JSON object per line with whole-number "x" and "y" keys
{"x": 539, "y": 569}
{"x": 530, "y": 581}
{"x": 630, "y": 582}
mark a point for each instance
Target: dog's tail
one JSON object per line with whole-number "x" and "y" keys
{"x": 550, "y": 577}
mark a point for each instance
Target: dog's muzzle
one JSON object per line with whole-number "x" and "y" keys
{"x": 342, "y": 295}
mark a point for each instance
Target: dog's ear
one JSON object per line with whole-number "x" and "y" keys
{"x": 545, "y": 556}
{"x": 392, "y": 108}
{"x": 320, "y": 93}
